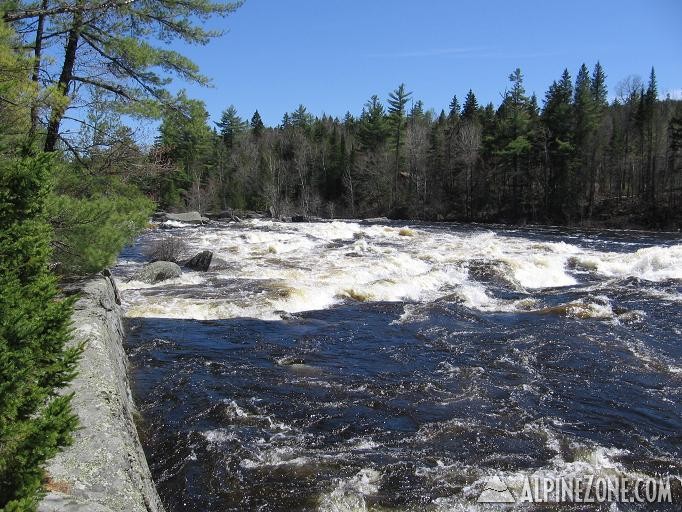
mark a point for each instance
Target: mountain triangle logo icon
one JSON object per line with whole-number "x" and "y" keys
{"x": 496, "y": 491}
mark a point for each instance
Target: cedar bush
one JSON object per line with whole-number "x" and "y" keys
{"x": 35, "y": 361}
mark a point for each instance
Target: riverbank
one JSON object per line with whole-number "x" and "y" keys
{"x": 105, "y": 469}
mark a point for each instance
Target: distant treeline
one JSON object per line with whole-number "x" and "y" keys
{"x": 574, "y": 159}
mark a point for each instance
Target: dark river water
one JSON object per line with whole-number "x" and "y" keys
{"x": 350, "y": 366}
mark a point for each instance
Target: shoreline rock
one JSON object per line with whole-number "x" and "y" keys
{"x": 105, "y": 469}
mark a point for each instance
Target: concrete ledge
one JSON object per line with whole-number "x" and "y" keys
{"x": 105, "y": 470}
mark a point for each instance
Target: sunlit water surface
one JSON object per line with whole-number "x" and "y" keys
{"x": 379, "y": 366}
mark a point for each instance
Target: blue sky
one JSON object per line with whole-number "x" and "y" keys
{"x": 333, "y": 55}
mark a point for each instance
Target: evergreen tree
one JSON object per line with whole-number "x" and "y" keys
{"x": 186, "y": 135}
{"x": 397, "y": 101}
{"x": 257, "y": 126}
{"x": 373, "y": 129}
{"x": 34, "y": 330}
{"x": 650, "y": 99}
{"x": 514, "y": 114}
{"x": 598, "y": 87}
{"x": 300, "y": 118}
{"x": 417, "y": 111}
{"x": 585, "y": 125}
{"x": 652, "y": 89}
{"x": 558, "y": 118}
{"x": 231, "y": 126}
{"x": 126, "y": 47}
{"x": 470, "y": 109}
{"x": 454, "y": 112}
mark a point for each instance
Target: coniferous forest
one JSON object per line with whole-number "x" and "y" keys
{"x": 571, "y": 157}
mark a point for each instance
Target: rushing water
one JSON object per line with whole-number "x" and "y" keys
{"x": 368, "y": 366}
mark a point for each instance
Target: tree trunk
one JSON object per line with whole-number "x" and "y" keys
{"x": 35, "y": 76}
{"x": 64, "y": 81}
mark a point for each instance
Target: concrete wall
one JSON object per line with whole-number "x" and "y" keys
{"x": 105, "y": 469}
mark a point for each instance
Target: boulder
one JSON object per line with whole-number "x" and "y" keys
{"x": 188, "y": 217}
{"x": 157, "y": 272}
{"x": 205, "y": 261}
{"x": 218, "y": 263}
{"x": 299, "y": 218}
{"x": 228, "y": 215}
{"x": 200, "y": 262}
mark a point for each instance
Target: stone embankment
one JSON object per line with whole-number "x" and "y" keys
{"x": 105, "y": 469}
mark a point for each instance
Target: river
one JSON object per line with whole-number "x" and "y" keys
{"x": 384, "y": 366}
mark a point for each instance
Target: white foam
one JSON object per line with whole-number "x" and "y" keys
{"x": 175, "y": 224}
{"x": 277, "y": 456}
{"x": 349, "y": 494}
{"x": 651, "y": 263}
{"x": 309, "y": 266}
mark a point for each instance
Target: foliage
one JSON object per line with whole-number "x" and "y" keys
{"x": 575, "y": 159}
{"x": 34, "y": 330}
{"x": 94, "y": 220}
{"x": 116, "y": 47}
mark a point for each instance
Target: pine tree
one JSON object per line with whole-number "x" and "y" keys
{"x": 231, "y": 126}
{"x": 286, "y": 121}
{"x": 34, "y": 331}
{"x": 257, "y": 126}
{"x": 514, "y": 114}
{"x": 118, "y": 47}
{"x": 397, "y": 101}
{"x": 598, "y": 87}
{"x": 454, "y": 112}
{"x": 470, "y": 109}
{"x": 650, "y": 98}
{"x": 300, "y": 118}
{"x": 584, "y": 108}
{"x": 373, "y": 130}
{"x": 557, "y": 116}
{"x": 417, "y": 111}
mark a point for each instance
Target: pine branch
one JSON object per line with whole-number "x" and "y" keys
{"x": 65, "y": 9}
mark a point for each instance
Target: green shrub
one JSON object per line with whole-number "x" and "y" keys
{"x": 34, "y": 330}
{"x": 93, "y": 219}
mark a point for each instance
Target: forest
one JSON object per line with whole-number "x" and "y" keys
{"x": 572, "y": 158}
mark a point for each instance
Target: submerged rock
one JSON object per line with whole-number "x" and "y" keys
{"x": 157, "y": 272}
{"x": 290, "y": 360}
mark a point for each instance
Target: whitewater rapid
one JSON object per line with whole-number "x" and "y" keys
{"x": 354, "y": 366}
{"x": 273, "y": 269}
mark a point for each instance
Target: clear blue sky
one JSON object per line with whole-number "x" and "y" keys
{"x": 333, "y": 55}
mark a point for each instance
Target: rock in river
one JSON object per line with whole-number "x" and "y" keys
{"x": 205, "y": 261}
{"x": 158, "y": 271}
{"x": 201, "y": 261}
{"x": 188, "y": 217}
